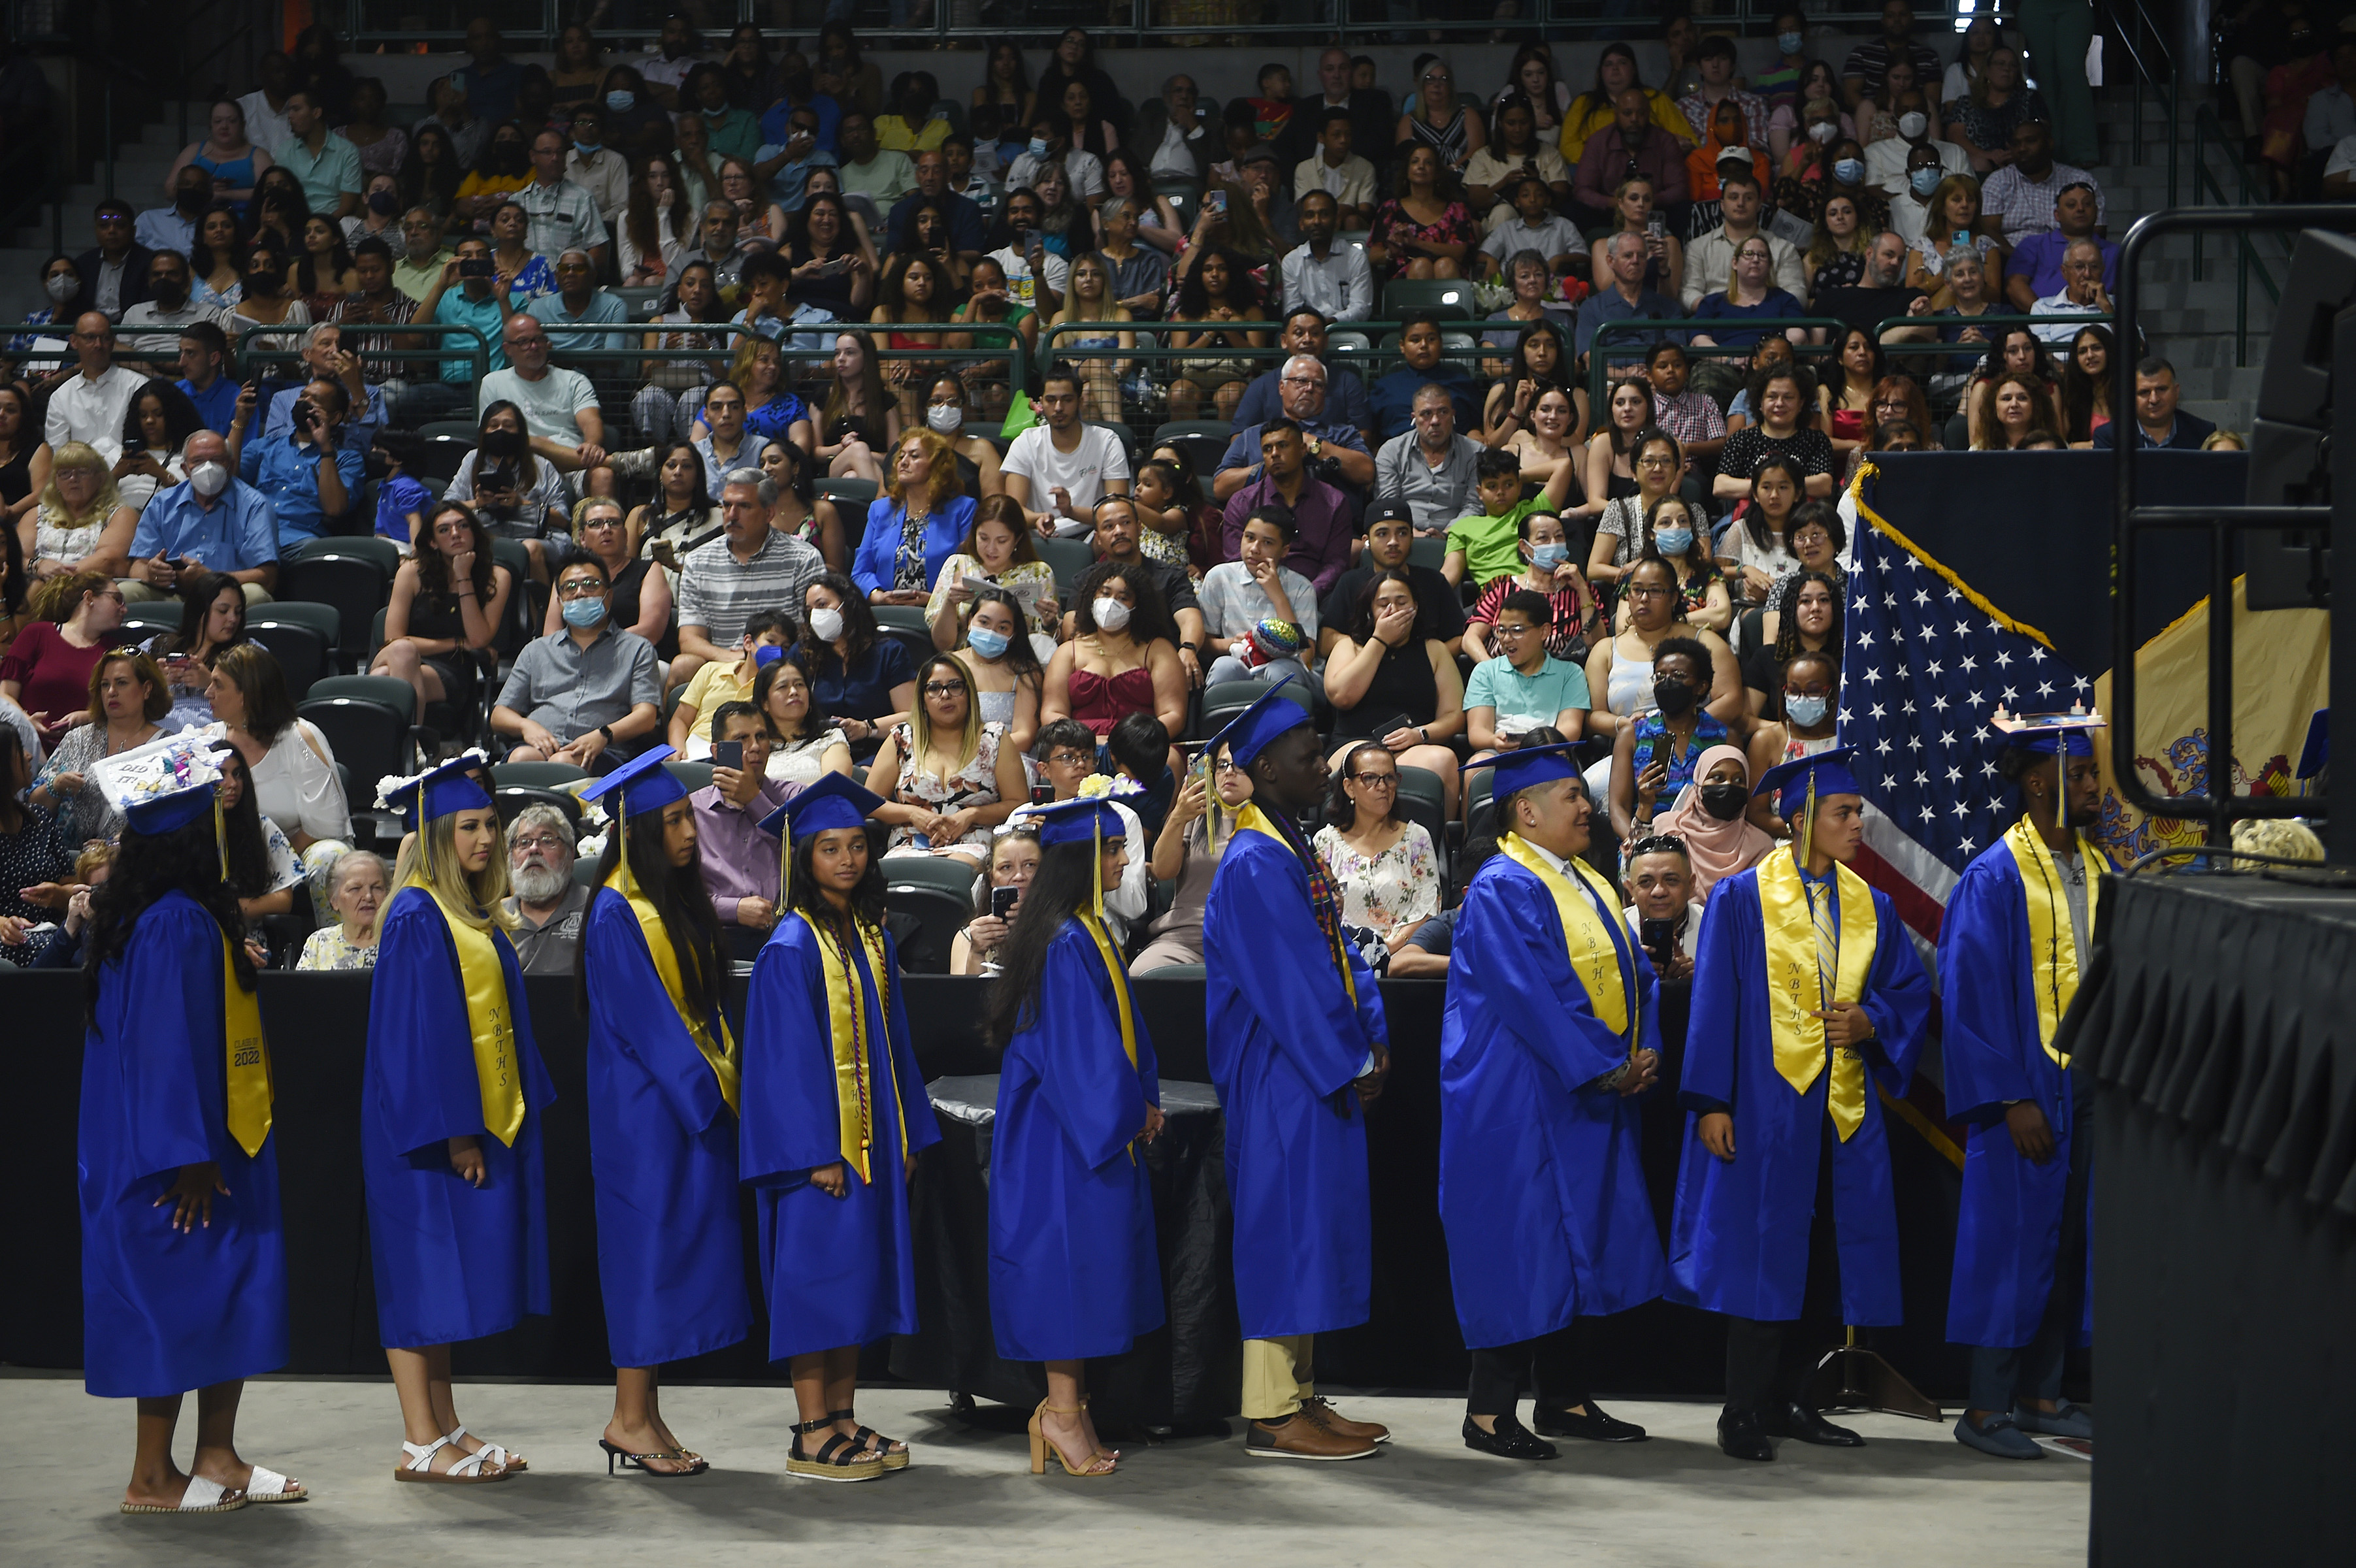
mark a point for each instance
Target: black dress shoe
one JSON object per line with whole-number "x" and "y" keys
{"x": 1595, "y": 1426}
{"x": 1808, "y": 1425}
{"x": 1741, "y": 1435}
{"x": 1512, "y": 1440}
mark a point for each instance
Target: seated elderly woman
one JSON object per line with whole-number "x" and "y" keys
{"x": 356, "y": 892}
{"x": 916, "y": 525}
{"x": 1383, "y": 865}
{"x": 946, "y": 777}
{"x": 1393, "y": 689}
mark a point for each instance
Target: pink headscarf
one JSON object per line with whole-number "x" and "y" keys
{"x": 1718, "y": 849}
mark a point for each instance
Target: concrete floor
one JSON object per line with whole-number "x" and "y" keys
{"x": 1914, "y": 1496}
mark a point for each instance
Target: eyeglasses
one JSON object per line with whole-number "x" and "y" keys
{"x": 1655, "y": 460}
{"x": 1375, "y": 780}
{"x": 1656, "y": 844}
{"x": 1503, "y": 631}
{"x": 1649, "y": 591}
{"x": 1069, "y": 758}
{"x": 943, "y": 688}
{"x": 546, "y": 842}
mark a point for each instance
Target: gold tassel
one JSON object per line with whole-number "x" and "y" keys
{"x": 622, "y": 837}
{"x": 221, "y": 834}
{"x": 1095, "y": 868}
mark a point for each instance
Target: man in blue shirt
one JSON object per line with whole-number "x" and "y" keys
{"x": 1394, "y": 394}
{"x": 211, "y": 521}
{"x": 787, "y": 163}
{"x": 324, "y": 358}
{"x": 1329, "y": 440}
{"x": 490, "y": 81}
{"x": 204, "y": 352}
{"x": 1345, "y": 394}
{"x": 932, "y": 185}
{"x": 1626, "y": 297}
{"x": 578, "y": 301}
{"x": 473, "y": 301}
{"x": 2158, "y": 421}
{"x": 307, "y": 492}
{"x": 777, "y": 122}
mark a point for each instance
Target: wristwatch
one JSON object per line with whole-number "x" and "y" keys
{"x": 607, "y": 731}
{"x": 1315, "y": 445}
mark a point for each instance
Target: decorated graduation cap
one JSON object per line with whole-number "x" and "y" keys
{"x": 1088, "y": 820}
{"x": 2048, "y": 735}
{"x": 834, "y": 801}
{"x": 641, "y": 784}
{"x": 1530, "y": 765}
{"x": 436, "y": 792}
{"x": 1273, "y": 713}
{"x": 168, "y": 783}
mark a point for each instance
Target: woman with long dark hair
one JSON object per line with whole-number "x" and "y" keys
{"x": 834, "y": 1117}
{"x": 431, "y": 171}
{"x": 450, "y": 1109}
{"x": 447, "y": 604}
{"x": 182, "y": 1247}
{"x": 1072, "y": 1271}
{"x": 263, "y": 870}
{"x": 1217, "y": 289}
{"x": 663, "y": 1071}
{"x": 2087, "y": 384}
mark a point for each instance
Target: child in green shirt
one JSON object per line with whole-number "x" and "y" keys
{"x": 1484, "y": 546}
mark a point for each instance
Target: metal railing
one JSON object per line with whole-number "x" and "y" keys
{"x": 1634, "y": 329}
{"x": 2218, "y": 804}
{"x": 2206, "y": 127}
{"x": 1149, "y": 21}
{"x": 367, "y": 340}
{"x": 2139, "y": 37}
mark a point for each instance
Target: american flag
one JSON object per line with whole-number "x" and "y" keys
{"x": 1924, "y": 663}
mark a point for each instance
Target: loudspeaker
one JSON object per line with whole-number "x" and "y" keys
{"x": 2290, "y": 447}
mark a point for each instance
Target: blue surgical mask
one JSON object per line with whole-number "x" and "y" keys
{"x": 1546, "y": 557}
{"x": 585, "y": 148}
{"x": 584, "y": 614}
{"x": 1673, "y": 541}
{"x": 1849, "y": 171}
{"x": 1789, "y": 42}
{"x": 1924, "y": 181}
{"x": 988, "y": 644}
{"x": 1038, "y": 147}
{"x": 620, "y": 102}
{"x": 1805, "y": 712}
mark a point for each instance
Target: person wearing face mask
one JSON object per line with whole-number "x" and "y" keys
{"x": 1779, "y": 84}
{"x": 1654, "y": 754}
{"x": 213, "y": 521}
{"x": 1711, "y": 820}
{"x": 588, "y": 695}
{"x": 1809, "y": 701}
{"x": 597, "y": 168}
{"x": 1887, "y": 161}
{"x": 1909, "y": 201}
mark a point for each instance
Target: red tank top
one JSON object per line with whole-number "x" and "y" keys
{"x": 1101, "y": 704}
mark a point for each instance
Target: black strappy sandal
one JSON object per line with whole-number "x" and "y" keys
{"x": 838, "y": 1458}
{"x": 875, "y": 1442}
{"x": 693, "y": 1464}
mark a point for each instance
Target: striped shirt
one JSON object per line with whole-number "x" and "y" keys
{"x": 719, "y": 592}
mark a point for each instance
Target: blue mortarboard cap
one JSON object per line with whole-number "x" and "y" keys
{"x": 1530, "y": 765}
{"x": 1250, "y": 731}
{"x": 1075, "y": 822}
{"x": 440, "y": 790}
{"x": 834, "y": 801}
{"x": 644, "y": 783}
{"x": 166, "y": 784}
{"x": 1790, "y": 779}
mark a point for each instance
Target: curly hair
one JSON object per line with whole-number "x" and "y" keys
{"x": 941, "y": 467}
{"x": 147, "y": 867}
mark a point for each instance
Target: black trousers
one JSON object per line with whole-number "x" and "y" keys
{"x": 1767, "y": 1362}
{"x": 1500, "y": 1373}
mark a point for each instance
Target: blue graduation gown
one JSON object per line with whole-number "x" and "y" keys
{"x": 453, "y": 1261}
{"x": 662, "y": 1147}
{"x": 2008, "y": 1230}
{"x": 166, "y": 1311}
{"x": 1285, "y": 1044}
{"x": 1739, "y": 1243}
{"x": 1073, "y": 1269}
{"x": 839, "y": 1270}
{"x": 1541, "y": 1186}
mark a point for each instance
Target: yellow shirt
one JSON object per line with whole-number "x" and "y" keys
{"x": 892, "y": 134}
{"x": 1585, "y": 118}
{"x": 706, "y": 690}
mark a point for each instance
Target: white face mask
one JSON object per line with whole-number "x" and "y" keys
{"x": 208, "y": 479}
{"x": 1822, "y": 131}
{"x": 945, "y": 417}
{"x": 63, "y": 286}
{"x": 1911, "y": 124}
{"x": 826, "y": 625}
{"x": 1111, "y": 614}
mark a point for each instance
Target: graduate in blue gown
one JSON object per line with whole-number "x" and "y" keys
{"x": 1808, "y": 997}
{"x": 1073, "y": 1269}
{"x": 834, "y": 1117}
{"x": 1550, "y": 1030}
{"x": 450, "y": 1137}
{"x": 2012, "y": 949}
{"x": 184, "y": 1264}
{"x": 663, "y": 1067}
{"x": 1299, "y": 1050}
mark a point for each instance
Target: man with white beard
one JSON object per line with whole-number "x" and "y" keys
{"x": 549, "y": 906}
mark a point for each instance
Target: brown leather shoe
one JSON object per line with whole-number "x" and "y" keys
{"x": 1302, "y": 1437}
{"x": 1323, "y": 1410}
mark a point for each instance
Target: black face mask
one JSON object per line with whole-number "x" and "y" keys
{"x": 1673, "y": 697}
{"x": 1724, "y": 801}
{"x": 501, "y": 443}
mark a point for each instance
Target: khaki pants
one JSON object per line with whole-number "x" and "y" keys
{"x": 138, "y": 593}
{"x": 1274, "y": 1384}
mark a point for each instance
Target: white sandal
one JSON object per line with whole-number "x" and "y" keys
{"x": 202, "y": 1497}
{"x": 267, "y": 1485}
{"x": 514, "y": 1464}
{"x": 467, "y": 1472}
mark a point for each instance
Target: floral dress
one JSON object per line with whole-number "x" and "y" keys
{"x": 975, "y": 784}
{"x": 1393, "y": 223}
{"x": 1385, "y": 892}
{"x": 327, "y": 948}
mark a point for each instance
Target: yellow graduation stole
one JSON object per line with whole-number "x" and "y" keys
{"x": 846, "y": 1010}
{"x": 1611, "y": 989}
{"x": 249, "y": 1059}
{"x": 1251, "y": 819}
{"x": 2052, "y": 945}
{"x": 721, "y": 1056}
{"x": 1795, "y": 991}
{"x": 489, "y": 1019}
{"x": 1094, "y": 926}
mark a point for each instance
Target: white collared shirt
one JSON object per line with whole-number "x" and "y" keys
{"x": 92, "y": 410}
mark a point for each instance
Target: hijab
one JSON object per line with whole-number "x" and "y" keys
{"x": 1717, "y": 848}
